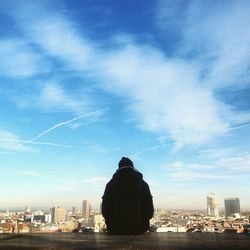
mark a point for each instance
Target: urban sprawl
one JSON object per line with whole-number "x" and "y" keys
{"x": 86, "y": 219}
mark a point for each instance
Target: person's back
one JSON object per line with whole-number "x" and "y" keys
{"x": 127, "y": 202}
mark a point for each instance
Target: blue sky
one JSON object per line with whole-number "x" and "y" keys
{"x": 83, "y": 83}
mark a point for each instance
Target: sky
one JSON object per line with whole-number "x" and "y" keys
{"x": 83, "y": 83}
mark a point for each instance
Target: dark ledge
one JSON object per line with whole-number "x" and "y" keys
{"x": 170, "y": 241}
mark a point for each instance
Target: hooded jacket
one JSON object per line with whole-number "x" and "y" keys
{"x": 127, "y": 178}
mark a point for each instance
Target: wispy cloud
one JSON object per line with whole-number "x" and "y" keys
{"x": 27, "y": 173}
{"x": 239, "y": 127}
{"x": 238, "y": 163}
{"x": 223, "y": 168}
{"x": 9, "y": 141}
{"x": 56, "y": 35}
{"x": 95, "y": 147}
{"x": 188, "y": 166}
{"x": 186, "y": 175}
{"x": 19, "y": 60}
{"x": 196, "y": 171}
{"x": 214, "y": 38}
{"x": 174, "y": 95}
{"x": 146, "y": 150}
{"x": 53, "y": 97}
{"x": 172, "y": 100}
{"x": 5, "y": 152}
{"x": 212, "y": 35}
{"x": 78, "y": 186}
{"x": 96, "y": 180}
{"x": 215, "y": 153}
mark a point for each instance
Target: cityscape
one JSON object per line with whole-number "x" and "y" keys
{"x": 85, "y": 219}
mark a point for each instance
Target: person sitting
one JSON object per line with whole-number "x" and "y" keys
{"x": 127, "y": 204}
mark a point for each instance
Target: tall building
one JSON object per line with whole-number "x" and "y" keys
{"x": 232, "y": 206}
{"x": 58, "y": 214}
{"x": 85, "y": 209}
{"x": 212, "y": 209}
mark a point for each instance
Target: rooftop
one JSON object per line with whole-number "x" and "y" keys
{"x": 169, "y": 241}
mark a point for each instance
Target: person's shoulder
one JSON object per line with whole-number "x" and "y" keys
{"x": 144, "y": 184}
{"x": 111, "y": 182}
{"x": 138, "y": 174}
{"x": 109, "y": 189}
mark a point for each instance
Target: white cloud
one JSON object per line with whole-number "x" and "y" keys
{"x": 215, "y": 34}
{"x": 196, "y": 171}
{"x": 96, "y": 180}
{"x": 224, "y": 168}
{"x": 165, "y": 93}
{"x": 53, "y": 97}
{"x": 215, "y": 152}
{"x": 10, "y": 142}
{"x": 179, "y": 165}
{"x": 169, "y": 94}
{"x": 98, "y": 149}
{"x": 18, "y": 60}
{"x": 74, "y": 125}
{"x": 237, "y": 163}
{"x": 225, "y": 30}
{"x": 186, "y": 175}
{"x": 55, "y": 34}
{"x": 79, "y": 186}
{"x": 193, "y": 171}
{"x": 60, "y": 39}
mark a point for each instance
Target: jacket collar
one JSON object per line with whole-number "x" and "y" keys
{"x": 124, "y": 167}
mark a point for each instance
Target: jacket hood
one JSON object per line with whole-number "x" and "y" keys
{"x": 127, "y": 172}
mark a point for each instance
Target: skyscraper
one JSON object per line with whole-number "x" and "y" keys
{"x": 58, "y": 214}
{"x": 232, "y": 206}
{"x": 85, "y": 209}
{"x": 212, "y": 209}
{"x": 73, "y": 210}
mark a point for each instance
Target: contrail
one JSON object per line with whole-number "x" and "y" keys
{"x": 38, "y": 143}
{"x": 146, "y": 150}
{"x": 65, "y": 123}
{"x": 240, "y": 126}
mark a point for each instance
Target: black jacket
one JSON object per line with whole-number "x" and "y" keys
{"x": 126, "y": 179}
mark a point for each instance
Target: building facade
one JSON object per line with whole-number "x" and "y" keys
{"x": 232, "y": 206}
{"x": 85, "y": 209}
{"x": 58, "y": 214}
{"x": 212, "y": 209}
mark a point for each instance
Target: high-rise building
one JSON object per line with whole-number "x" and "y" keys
{"x": 212, "y": 209}
{"x": 232, "y": 206}
{"x": 58, "y": 214}
{"x": 85, "y": 209}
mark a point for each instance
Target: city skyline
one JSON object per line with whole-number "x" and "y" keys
{"x": 83, "y": 83}
{"x": 210, "y": 206}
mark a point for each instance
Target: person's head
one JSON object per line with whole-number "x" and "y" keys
{"x": 125, "y": 162}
